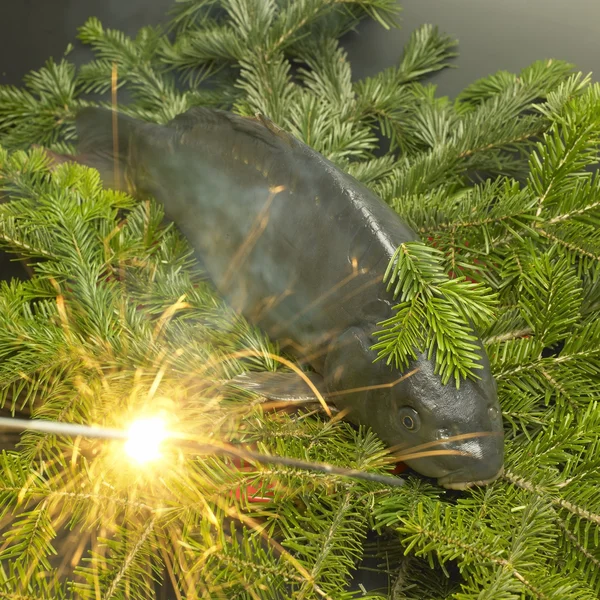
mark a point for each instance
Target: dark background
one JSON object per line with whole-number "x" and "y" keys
{"x": 493, "y": 35}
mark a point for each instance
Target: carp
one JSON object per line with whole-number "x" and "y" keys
{"x": 300, "y": 248}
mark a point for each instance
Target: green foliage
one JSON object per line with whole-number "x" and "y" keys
{"x": 42, "y": 111}
{"x": 432, "y": 304}
{"x": 118, "y": 320}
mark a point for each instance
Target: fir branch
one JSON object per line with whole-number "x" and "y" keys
{"x": 382, "y": 97}
{"x": 129, "y": 558}
{"x": 30, "y": 539}
{"x": 190, "y": 14}
{"x": 539, "y": 491}
{"x": 426, "y": 51}
{"x": 418, "y": 532}
{"x": 138, "y": 67}
{"x": 583, "y": 556}
{"x": 43, "y": 112}
{"x": 543, "y": 78}
{"x": 127, "y": 568}
{"x": 446, "y": 305}
{"x": 550, "y": 299}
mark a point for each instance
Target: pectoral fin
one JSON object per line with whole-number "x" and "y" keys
{"x": 287, "y": 387}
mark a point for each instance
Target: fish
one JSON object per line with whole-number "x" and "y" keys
{"x": 300, "y": 248}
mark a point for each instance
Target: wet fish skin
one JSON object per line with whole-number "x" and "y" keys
{"x": 300, "y": 248}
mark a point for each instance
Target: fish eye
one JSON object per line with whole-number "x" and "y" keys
{"x": 409, "y": 418}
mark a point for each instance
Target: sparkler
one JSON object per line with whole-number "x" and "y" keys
{"x": 142, "y": 440}
{"x": 145, "y": 437}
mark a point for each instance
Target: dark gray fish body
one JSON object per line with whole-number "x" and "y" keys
{"x": 300, "y": 249}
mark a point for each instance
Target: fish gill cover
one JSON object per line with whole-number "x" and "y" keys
{"x": 118, "y": 321}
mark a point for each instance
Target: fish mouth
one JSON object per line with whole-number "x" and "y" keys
{"x": 447, "y": 481}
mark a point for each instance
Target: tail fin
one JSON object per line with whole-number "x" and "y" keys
{"x": 105, "y": 139}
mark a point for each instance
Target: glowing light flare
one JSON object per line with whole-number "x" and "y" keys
{"x": 144, "y": 439}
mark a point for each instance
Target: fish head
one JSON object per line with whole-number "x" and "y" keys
{"x": 449, "y": 433}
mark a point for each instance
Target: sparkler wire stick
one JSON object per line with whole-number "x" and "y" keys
{"x": 67, "y": 429}
{"x": 306, "y": 465}
{"x": 74, "y": 430}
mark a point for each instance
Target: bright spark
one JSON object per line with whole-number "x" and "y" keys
{"x": 144, "y": 439}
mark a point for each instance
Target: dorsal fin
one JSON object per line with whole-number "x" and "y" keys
{"x": 274, "y": 128}
{"x": 260, "y": 128}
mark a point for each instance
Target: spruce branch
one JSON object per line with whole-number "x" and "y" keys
{"x": 189, "y": 14}
{"x": 447, "y": 306}
{"x": 535, "y": 80}
{"x": 43, "y": 111}
{"x": 385, "y": 96}
{"x": 138, "y": 68}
